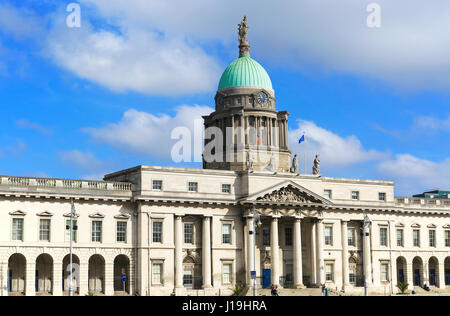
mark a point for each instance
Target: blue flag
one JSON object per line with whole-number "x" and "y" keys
{"x": 302, "y": 139}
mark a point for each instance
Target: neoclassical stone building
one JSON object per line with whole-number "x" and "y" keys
{"x": 191, "y": 231}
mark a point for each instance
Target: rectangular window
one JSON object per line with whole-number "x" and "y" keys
{"x": 384, "y": 272}
{"x": 266, "y": 236}
{"x": 226, "y": 233}
{"x": 226, "y": 273}
{"x": 352, "y": 275}
{"x": 226, "y": 188}
{"x": 188, "y": 233}
{"x": 97, "y": 231}
{"x": 355, "y": 195}
{"x": 351, "y": 236}
{"x": 157, "y": 273}
{"x": 382, "y": 196}
{"x": 416, "y": 238}
{"x": 447, "y": 238}
{"x": 44, "y": 230}
{"x": 188, "y": 277}
{"x": 328, "y": 235}
{"x": 157, "y": 185}
{"x": 399, "y": 237}
{"x": 329, "y": 273}
{"x": 383, "y": 236}
{"x": 74, "y": 230}
{"x": 193, "y": 186}
{"x": 432, "y": 234}
{"x": 288, "y": 236}
{"x": 17, "y": 229}
{"x": 157, "y": 231}
{"x": 327, "y": 194}
{"x": 122, "y": 232}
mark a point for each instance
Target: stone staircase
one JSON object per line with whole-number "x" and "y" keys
{"x": 289, "y": 292}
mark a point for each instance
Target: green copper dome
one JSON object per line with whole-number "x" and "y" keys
{"x": 245, "y": 72}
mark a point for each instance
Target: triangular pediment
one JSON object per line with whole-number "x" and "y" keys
{"x": 45, "y": 214}
{"x": 18, "y": 213}
{"x": 97, "y": 215}
{"x": 288, "y": 192}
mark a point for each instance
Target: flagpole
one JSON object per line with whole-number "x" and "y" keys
{"x": 71, "y": 237}
{"x": 304, "y": 160}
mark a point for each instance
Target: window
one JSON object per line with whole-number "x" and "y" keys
{"x": 384, "y": 272}
{"x": 288, "y": 236}
{"x": 383, "y": 236}
{"x": 226, "y": 233}
{"x": 226, "y": 273}
{"x": 352, "y": 275}
{"x": 351, "y": 236}
{"x": 327, "y": 194}
{"x": 122, "y": 232}
{"x": 328, "y": 235}
{"x": 400, "y": 237}
{"x": 447, "y": 238}
{"x": 157, "y": 185}
{"x": 355, "y": 195}
{"x": 416, "y": 238}
{"x": 432, "y": 235}
{"x": 188, "y": 233}
{"x": 188, "y": 277}
{"x": 17, "y": 229}
{"x": 329, "y": 273}
{"x": 157, "y": 273}
{"x": 44, "y": 230}
{"x": 74, "y": 230}
{"x": 193, "y": 186}
{"x": 157, "y": 231}
{"x": 96, "y": 231}
{"x": 382, "y": 196}
{"x": 266, "y": 236}
{"x": 226, "y": 188}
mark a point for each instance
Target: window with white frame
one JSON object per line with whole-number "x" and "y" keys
{"x": 352, "y": 275}
{"x": 226, "y": 188}
{"x": 226, "y": 233}
{"x": 327, "y": 194}
{"x": 193, "y": 186}
{"x": 447, "y": 238}
{"x": 188, "y": 233}
{"x": 44, "y": 229}
{"x": 400, "y": 237}
{"x": 383, "y": 236}
{"x": 157, "y": 269}
{"x": 432, "y": 237}
{"x": 157, "y": 185}
{"x": 227, "y": 273}
{"x": 329, "y": 272}
{"x": 97, "y": 231}
{"x": 157, "y": 231}
{"x": 17, "y": 229}
{"x": 351, "y": 236}
{"x": 384, "y": 272}
{"x": 328, "y": 235}
{"x": 381, "y": 196}
{"x": 74, "y": 230}
{"x": 416, "y": 238}
{"x": 355, "y": 195}
{"x": 122, "y": 231}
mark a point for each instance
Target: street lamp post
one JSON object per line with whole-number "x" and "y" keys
{"x": 72, "y": 213}
{"x": 366, "y": 233}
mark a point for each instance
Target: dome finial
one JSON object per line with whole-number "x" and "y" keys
{"x": 244, "y": 47}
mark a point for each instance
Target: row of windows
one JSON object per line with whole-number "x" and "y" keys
{"x": 157, "y": 185}
{"x": 329, "y": 273}
{"x": 354, "y": 195}
{"x": 188, "y": 233}
{"x": 45, "y": 230}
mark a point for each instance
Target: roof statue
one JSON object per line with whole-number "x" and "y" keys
{"x": 316, "y": 167}
{"x": 244, "y": 47}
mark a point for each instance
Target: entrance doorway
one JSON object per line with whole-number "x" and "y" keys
{"x": 266, "y": 278}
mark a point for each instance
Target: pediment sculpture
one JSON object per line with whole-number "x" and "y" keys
{"x": 286, "y": 194}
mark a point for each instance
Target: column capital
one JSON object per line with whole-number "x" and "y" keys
{"x": 207, "y": 217}
{"x": 179, "y": 216}
{"x": 345, "y": 221}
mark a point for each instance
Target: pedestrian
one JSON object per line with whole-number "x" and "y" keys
{"x": 272, "y": 290}
{"x": 275, "y": 291}
{"x": 323, "y": 289}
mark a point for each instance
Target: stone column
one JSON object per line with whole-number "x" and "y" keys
{"x": 409, "y": 275}
{"x": 83, "y": 279}
{"x": 178, "y": 251}
{"x": 30, "y": 278}
{"x": 345, "y": 270}
{"x": 4, "y": 278}
{"x": 320, "y": 261}
{"x": 274, "y": 246}
{"x": 367, "y": 255}
{"x": 57, "y": 279}
{"x": 250, "y": 245}
{"x": 206, "y": 252}
{"x": 109, "y": 278}
{"x": 313, "y": 254}
{"x": 441, "y": 271}
{"x": 247, "y": 131}
{"x": 298, "y": 272}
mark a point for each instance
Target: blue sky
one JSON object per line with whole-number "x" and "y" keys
{"x": 82, "y": 102}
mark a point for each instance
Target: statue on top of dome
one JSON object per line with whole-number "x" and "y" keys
{"x": 244, "y": 48}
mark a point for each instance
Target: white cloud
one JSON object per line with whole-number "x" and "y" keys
{"x": 145, "y": 134}
{"x": 23, "y": 123}
{"x": 433, "y": 124}
{"x": 415, "y": 175}
{"x": 333, "y": 149}
{"x": 85, "y": 161}
{"x": 19, "y": 23}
